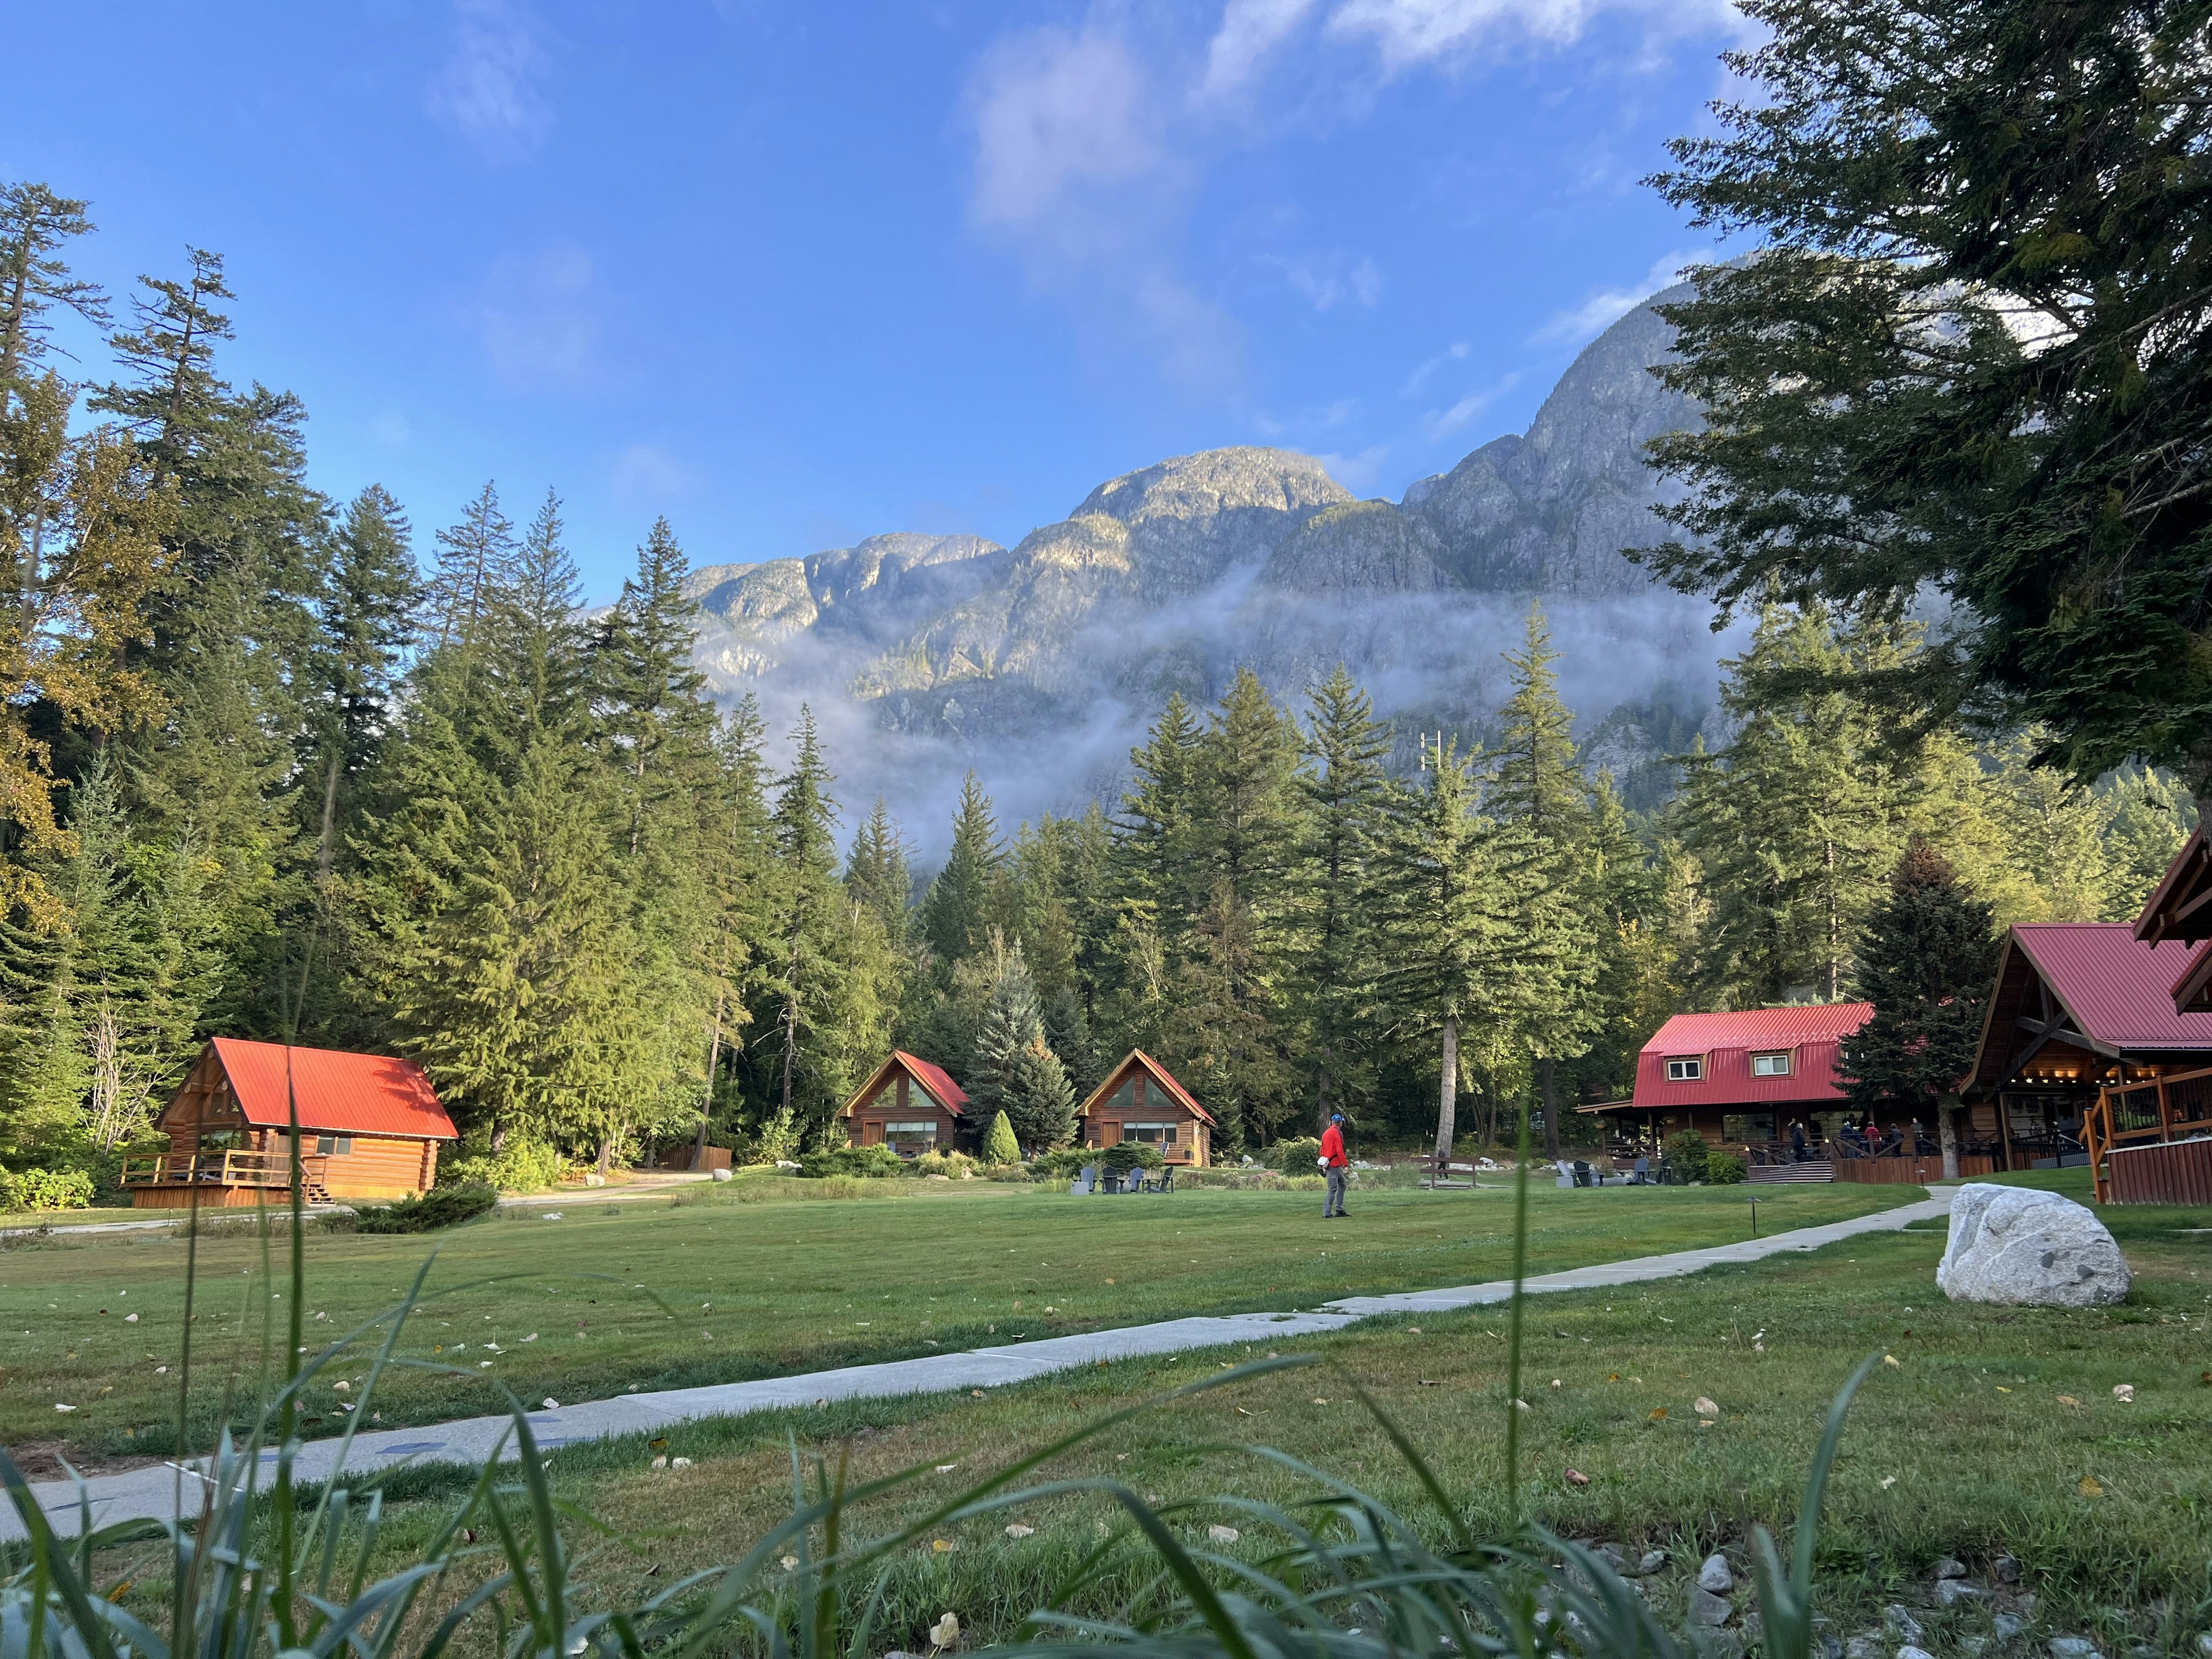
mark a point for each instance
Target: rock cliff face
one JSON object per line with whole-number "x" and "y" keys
{"x": 1170, "y": 577}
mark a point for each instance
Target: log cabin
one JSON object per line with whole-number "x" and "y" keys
{"x": 370, "y": 1127}
{"x": 907, "y": 1104}
{"x": 2085, "y": 1058}
{"x": 1141, "y": 1101}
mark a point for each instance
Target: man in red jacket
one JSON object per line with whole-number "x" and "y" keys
{"x": 1337, "y": 1166}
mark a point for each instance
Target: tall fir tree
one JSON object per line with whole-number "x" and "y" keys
{"x": 1347, "y": 800}
{"x": 958, "y": 911}
{"x": 879, "y": 874}
{"x": 806, "y": 981}
{"x": 1449, "y": 918}
{"x": 1927, "y": 962}
{"x": 36, "y": 224}
{"x": 1016, "y": 1073}
{"x": 1538, "y": 794}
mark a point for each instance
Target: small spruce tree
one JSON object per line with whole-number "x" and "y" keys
{"x": 999, "y": 1146}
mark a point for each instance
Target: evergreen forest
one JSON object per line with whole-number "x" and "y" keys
{"x": 281, "y": 766}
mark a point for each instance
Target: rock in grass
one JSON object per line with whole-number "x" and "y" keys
{"x": 1715, "y": 1576}
{"x": 2008, "y": 1569}
{"x": 1902, "y": 1624}
{"x": 1948, "y": 1568}
{"x": 1650, "y": 1561}
{"x": 1710, "y": 1610}
{"x": 1864, "y": 1647}
{"x": 723, "y": 1175}
{"x": 2073, "y": 1647}
{"x": 1612, "y": 1556}
{"x": 1908, "y": 1652}
{"x": 2006, "y": 1626}
{"x": 2011, "y": 1244}
{"x": 1952, "y": 1591}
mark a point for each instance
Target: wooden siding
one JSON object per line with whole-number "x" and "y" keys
{"x": 1906, "y": 1171}
{"x": 2177, "y": 1172}
{"x": 1148, "y": 1103}
{"x": 898, "y": 1099}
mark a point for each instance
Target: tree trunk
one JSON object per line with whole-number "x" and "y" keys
{"x": 606, "y": 1155}
{"x": 714, "y": 1060}
{"x": 1551, "y": 1110}
{"x": 1947, "y": 1120}
{"x": 1322, "y": 1073}
{"x": 1448, "y": 1091}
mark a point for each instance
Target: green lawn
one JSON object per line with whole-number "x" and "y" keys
{"x": 1978, "y": 1440}
{"x": 762, "y": 1278}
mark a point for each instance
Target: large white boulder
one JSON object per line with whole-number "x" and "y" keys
{"x": 2014, "y": 1244}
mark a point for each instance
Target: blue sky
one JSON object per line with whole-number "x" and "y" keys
{"x": 793, "y": 273}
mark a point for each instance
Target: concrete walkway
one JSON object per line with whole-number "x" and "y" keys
{"x": 152, "y": 1493}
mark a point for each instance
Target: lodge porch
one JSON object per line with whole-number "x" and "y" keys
{"x": 221, "y": 1178}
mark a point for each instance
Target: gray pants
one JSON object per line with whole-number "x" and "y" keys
{"x": 1334, "y": 1204}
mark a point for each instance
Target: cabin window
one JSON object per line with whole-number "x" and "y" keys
{"x": 1771, "y": 1064}
{"x": 1123, "y": 1099}
{"x": 911, "y": 1140}
{"x": 1688, "y": 1068}
{"x": 321, "y": 1145}
{"x": 1153, "y": 1134}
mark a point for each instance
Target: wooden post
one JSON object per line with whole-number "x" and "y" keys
{"x": 2164, "y": 1116}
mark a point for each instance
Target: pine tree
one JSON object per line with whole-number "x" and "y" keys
{"x": 35, "y": 224}
{"x": 1155, "y": 851}
{"x": 1346, "y": 796}
{"x": 999, "y": 1146}
{"x": 956, "y": 914}
{"x": 1796, "y": 822}
{"x": 1927, "y": 962}
{"x": 1011, "y": 1021}
{"x": 1537, "y": 791}
{"x": 806, "y": 982}
{"x": 653, "y": 713}
{"x": 1449, "y": 917}
{"x": 877, "y": 873}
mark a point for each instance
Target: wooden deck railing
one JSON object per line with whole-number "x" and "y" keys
{"x": 218, "y": 1168}
{"x": 2144, "y": 1114}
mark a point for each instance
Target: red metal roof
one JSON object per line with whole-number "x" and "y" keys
{"x": 353, "y": 1094}
{"x": 937, "y": 1081}
{"x": 1726, "y": 1043}
{"x": 2119, "y": 991}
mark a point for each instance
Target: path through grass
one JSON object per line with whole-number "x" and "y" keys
{"x": 723, "y": 1285}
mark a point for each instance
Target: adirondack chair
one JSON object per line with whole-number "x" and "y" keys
{"x": 1086, "y": 1182}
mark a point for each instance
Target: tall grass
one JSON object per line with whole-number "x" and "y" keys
{"x": 259, "y": 1570}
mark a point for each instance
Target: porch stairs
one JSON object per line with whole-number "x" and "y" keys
{"x": 1779, "y": 1174}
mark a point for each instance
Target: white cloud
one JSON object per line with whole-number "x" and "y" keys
{"x": 1405, "y": 32}
{"x": 1249, "y": 31}
{"x": 1053, "y": 111}
{"x": 649, "y": 473}
{"x": 1356, "y": 473}
{"x": 1330, "y": 279}
{"x": 487, "y": 90}
{"x": 1454, "y": 353}
{"x": 1603, "y": 308}
{"x": 1074, "y": 172}
{"x": 1441, "y": 422}
{"x": 539, "y": 317}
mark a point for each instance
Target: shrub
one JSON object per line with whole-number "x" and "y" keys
{"x": 1064, "y": 1164}
{"x": 1724, "y": 1168}
{"x": 848, "y": 1161}
{"x": 1297, "y": 1156}
{"x": 441, "y": 1207}
{"x": 1131, "y": 1155}
{"x": 520, "y": 1166}
{"x": 46, "y": 1189}
{"x": 1686, "y": 1153}
{"x": 957, "y": 1165}
{"x": 999, "y": 1146}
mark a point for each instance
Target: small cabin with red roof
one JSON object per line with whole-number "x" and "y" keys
{"x": 907, "y": 1104}
{"x": 370, "y": 1127}
{"x": 1141, "y": 1101}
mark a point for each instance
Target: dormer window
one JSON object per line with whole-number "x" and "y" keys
{"x": 1775, "y": 1065}
{"x": 1687, "y": 1068}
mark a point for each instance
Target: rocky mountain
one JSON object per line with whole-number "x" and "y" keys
{"x": 1039, "y": 664}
